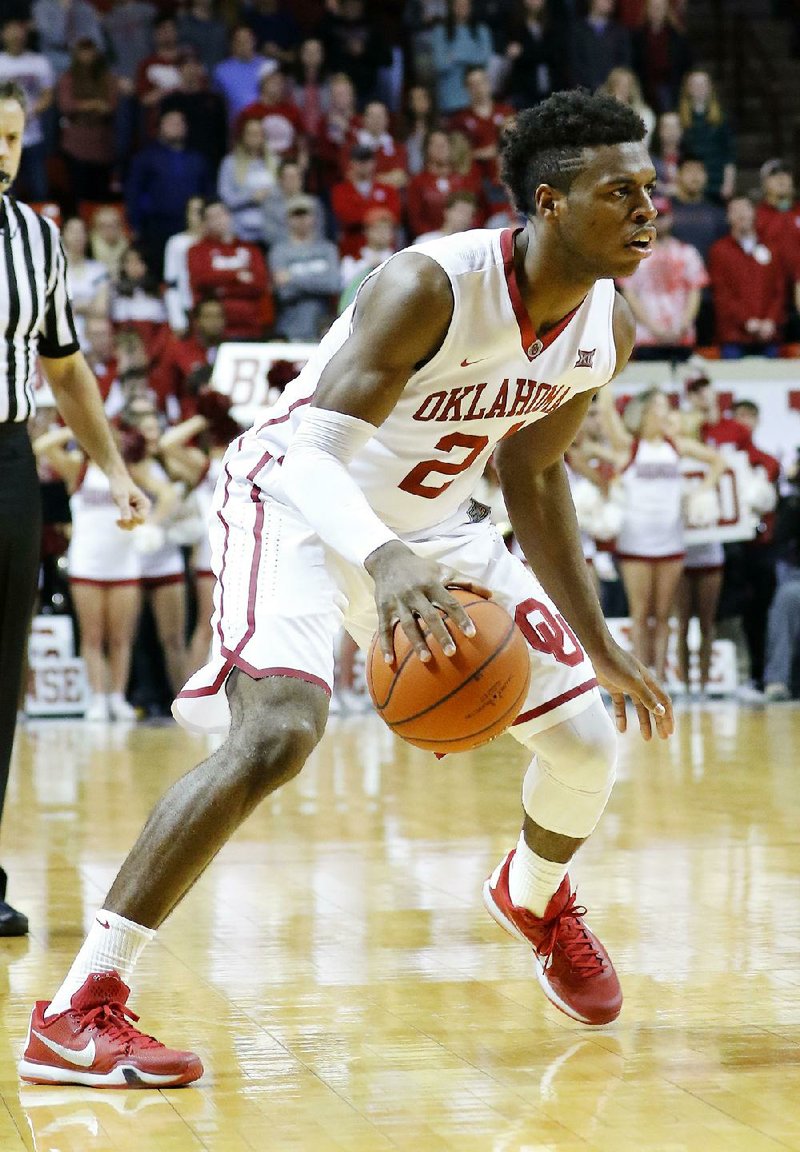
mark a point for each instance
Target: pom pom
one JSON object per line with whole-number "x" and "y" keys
{"x": 702, "y": 508}
{"x": 216, "y": 407}
{"x": 133, "y": 445}
{"x": 587, "y": 499}
{"x": 608, "y": 521}
{"x": 148, "y": 538}
{"x": 760, "y": 494}
{"x": 281, "y": 372}
{"x": 213, "y": 405}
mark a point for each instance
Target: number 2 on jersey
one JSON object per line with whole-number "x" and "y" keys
{"x": 413, "y": 482}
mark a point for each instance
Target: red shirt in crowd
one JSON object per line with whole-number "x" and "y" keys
{"x": 726, "y": 430}
{"x": 745, "y": 286}
{"x": 283, "y": 124}
{"x": 427, "y": 195}
{"x": 334, "y": 142}
{"x": 780, "y": 231}
{"x": 483, "y": 132}
{"x": 156, "y": 76}
{"x": 170, "y": 375}
{"x": 389, "y": 154}
{"x": 350, "y": 205}
{"x": 235, "y": 273}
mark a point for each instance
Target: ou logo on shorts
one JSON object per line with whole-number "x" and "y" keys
{"x": 548, "y": 632}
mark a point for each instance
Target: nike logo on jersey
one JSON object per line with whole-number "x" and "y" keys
{"x": 103, "y": 923}
{"x": 468, "y": 363}
{"x": 585, "y": 357}
{"x": 82, "y": 1057}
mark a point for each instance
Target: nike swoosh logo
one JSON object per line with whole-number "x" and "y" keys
{"x": 467, "y": 363}
{"x": 82, "y": 1057}
{"x": 103, "y": 923}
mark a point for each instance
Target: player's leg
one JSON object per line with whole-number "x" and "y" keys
{"x": 685, "y": 608}
{"x": 666, "y": 574}
{"x": 565, "y": 792}
{"x": 565, "y": 725}
{"x": 709, "y": 587}
{"x": 90, "y": 608}
{"x": 282, "y": 612}
{"x": 637, "y": 576}
{"x": 82, "y": 1036}
{"x": 168, "y": 601}
{"x": 123, "y": 604}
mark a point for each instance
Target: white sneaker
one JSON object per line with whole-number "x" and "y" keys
{"x": 777, "y": 693}
{"x": 749, "y": 694}
{"x": 120, "y": 709}
{"x": 98, "y": 708}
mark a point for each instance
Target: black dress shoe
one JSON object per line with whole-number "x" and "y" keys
{"x": 12, "y": 923}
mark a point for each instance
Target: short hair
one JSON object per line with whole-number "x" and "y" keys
{"x": 545, "y": 144}
{"x": 748, "y": 405}
{"x": 10, "y": 90}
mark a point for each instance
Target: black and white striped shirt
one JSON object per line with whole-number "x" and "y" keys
{"x": 35, "y": 313}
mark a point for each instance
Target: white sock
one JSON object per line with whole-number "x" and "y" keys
{"x": 113, "y": 944}
{"x": 533, "y": 880}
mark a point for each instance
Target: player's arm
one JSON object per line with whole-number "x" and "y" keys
{"x": 535, "y": 487}
{"x": 78, "y": 400}
{"x": 539, "y": 503}
{"x": 400, "y": 321}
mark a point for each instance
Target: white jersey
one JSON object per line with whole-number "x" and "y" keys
{"x": 652, "y": 527}
{"x": 100, "y": 551}
{"x": 491, "y": 377}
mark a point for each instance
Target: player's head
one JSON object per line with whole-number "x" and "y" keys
{"x": 12, "y": 126}
{"x": 577, "y": 164}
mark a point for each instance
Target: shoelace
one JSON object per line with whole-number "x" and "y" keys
{"x": 567, "y": 930}
{"x": 113, "y": 1019}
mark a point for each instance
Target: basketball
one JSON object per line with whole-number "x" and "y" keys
{"x": 458, "y": 702}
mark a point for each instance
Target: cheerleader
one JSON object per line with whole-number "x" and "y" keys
{"x": 104, "y": 570}
{"x": 650, "y": 549}
{"x": 194, "y": 451}
{"x": 162, "y": 566}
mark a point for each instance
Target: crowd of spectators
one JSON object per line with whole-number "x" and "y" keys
{"x": 233, "y": 169}
{"x": 222, "y": 125}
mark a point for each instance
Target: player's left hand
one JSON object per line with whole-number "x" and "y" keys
{"x": 623, "y": 675}
{"x": 131, "y": 502}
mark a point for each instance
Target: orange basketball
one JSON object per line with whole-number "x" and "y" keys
{"x": 453, "y": 703}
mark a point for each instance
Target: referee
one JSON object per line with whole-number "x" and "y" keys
{"x": 35, "y": 322}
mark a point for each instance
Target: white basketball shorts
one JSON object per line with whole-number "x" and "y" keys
{"x": 281, "y": 598}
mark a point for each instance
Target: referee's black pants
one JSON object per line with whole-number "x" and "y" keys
{"x": 20, "y": 543}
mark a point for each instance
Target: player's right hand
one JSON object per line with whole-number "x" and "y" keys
{"x": 413, "y": 592}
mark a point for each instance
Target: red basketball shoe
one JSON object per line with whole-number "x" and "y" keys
{"x": 572, "y": 966}
{"x": 94, "y": 1043}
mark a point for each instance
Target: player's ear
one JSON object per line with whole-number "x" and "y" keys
{"x": 547, "y": 200}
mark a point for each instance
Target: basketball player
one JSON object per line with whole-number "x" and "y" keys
{"x": 352, "y": 504}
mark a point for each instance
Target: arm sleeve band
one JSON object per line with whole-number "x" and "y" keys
{"x": 316, "y": 480}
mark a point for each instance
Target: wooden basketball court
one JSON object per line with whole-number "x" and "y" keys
{"x": 347, "y": 991}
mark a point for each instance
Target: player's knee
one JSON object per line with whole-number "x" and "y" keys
{"x": 581, "y": 753}
{"x": 274, "y": 753}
